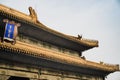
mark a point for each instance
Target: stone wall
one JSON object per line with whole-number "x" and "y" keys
{"x": 8, "y": 70}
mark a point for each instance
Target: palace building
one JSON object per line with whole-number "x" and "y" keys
{"x": 29, "y": 50}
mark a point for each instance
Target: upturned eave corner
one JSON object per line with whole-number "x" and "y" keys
{"x": 84, "y": 41}
{"x": 92, "y": 43}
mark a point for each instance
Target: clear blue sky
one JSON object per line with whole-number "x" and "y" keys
{"x": 94, "y": 19}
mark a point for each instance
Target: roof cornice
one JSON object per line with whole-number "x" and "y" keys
{"x": 33, "y": 50}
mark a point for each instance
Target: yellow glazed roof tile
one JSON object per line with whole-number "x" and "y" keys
{"x": 29, "y": 18}
{"x": 36, "y": 51}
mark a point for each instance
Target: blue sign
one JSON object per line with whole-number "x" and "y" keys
{"x": 9, "y": 31}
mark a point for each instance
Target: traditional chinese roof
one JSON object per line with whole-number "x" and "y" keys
{"x": 33, "y": 25}
{"x": 50, "y": 35}
{"x": 40, "y": 52}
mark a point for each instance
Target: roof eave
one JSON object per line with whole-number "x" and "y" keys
{"x": 27, "y": 18}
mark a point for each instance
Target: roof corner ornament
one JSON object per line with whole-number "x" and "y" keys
{"x": 33, "y": 14}
{"x": 79, "y": 36}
